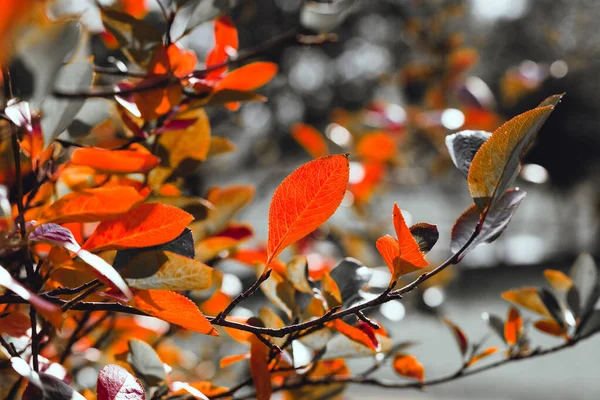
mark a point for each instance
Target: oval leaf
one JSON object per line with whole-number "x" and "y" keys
{"x": 148, "y": 224}
{"x": 408, "y": 366}
{"x": 527, "y": 297}
{"x": 513, "y": 327}
{"x": 310, "y": 139}
{"x": 259, "y": 369}
{"x": 115, "y": 383}
{"x": 115, "y": 161}
{"x": 305, "y": 200}
{"x": 549, "y": 326}
{"x": 146, "y": 364}
{"x": 459, "y": 335}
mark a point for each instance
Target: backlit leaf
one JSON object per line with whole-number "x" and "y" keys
{"x": 459, "y": 335}
{"x": 180, "y": 146}
{"x": 173, "y": 308}
{"x": 496, "y": 221}
{"x": 356, "y": 334}
{"x": 379, "y": 147}
{"x": 310, "y": 139}
{"x": 462, "y": 147}
{"x": 226, "y": 44}
{"x": 148, "y": 224}
{"x": 497, "y": 162}
{"x": 409, "y": 367}
{"x": 116, "y": 383}
{"x": 91, "y": 205}
{"x": 167, "y": 270}
{"x": 230, "y": 360}
{"x": 331, "y": 292}
{"x": 549, "y": 326}
{"x": 249, "y": 77}
{"x": 485, "y": 353}
{"x": 513, "y": 326}
{"x": 146, "y": 363}
{"x": 527, "y": 297}
{"x": 305, "y": 200}
{"x": 259, "y": 369}
{"x": 558, "y": 280}
{"x": 115, "y": 161}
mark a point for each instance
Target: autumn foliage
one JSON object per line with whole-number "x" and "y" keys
{"x": 108, "y": 263}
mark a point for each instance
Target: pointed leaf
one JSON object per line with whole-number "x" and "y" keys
{"x": 409, "y": 248}
{"x": 173, "y": 308}
{"x": 558, "y": 280}
{"x": 14, "y": 324}
{"x": 356, "y": 334}
{"x": 496, "y": 324}
{"x": 115, "y": 383}
{"x": 485, "y": 353}
{"x": 513, "y": 327}
{"x": 584, "y": 274}
{"x": 497, "y": 162}
{"x": 305, "y": 200}
{"x": 550, "y": 327}
{"x": 409, "y": 367}
{"x": 459, "y": 335}
{"x": 591, "y": 326}
{"x": 115, "y": 161}
{"x": 146, "y": 363}
{"x": 462, "y": 147}
{"x": 91, "y": 205}
{"x": 496, "y": 221}
{"x": 527, "y": 297}
{"x": 249, "y": 77}
{"x": 553, "y": 306}
{"x": 310, "y": 139}
{"x": 167, "y": 270}
{"x": 148, "y": 224}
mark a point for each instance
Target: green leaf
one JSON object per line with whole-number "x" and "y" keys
{"x": 145, "y": 363}
{"x": 137, "y": 38}
{"x": 59, "y": 113}
{"x": 495, "y": 222}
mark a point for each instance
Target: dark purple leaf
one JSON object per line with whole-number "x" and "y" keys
{"x": 426, "y": 235}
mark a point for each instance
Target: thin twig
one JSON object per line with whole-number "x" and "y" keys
{"x": 242, "y": 296}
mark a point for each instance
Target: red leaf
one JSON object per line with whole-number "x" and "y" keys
{"x": 249, "y": 77}
{"x": 513, "y": 326}
{"x": 146, "y": 225}
{"x": 91, "y": 205}
{"x": 305, "y": 200}
{"x": 15, "y": 324}
{"x": 459, "y": 335}
{"x": 356, "y": 334}
{"x": 226, "y": 41}
{"x": 259, "y": 369}
{"x": 173, "y": 308}
{"x": 310, "y": 139}
{"x": 115, "y": 383}
{"x": 115, "y": 161}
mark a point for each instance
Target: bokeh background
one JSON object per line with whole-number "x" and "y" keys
{"x": 387, "y": 56}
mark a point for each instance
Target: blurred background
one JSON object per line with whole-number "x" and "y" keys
{"x": 418, "y": 71}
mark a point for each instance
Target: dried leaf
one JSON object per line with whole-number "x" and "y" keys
{"x": 297, "y": 274}
{"x": 305, "y": 200}
{"x": 331, "y": 292}
{"x": 146, "y": 225}
{"x": 558, "y": 280}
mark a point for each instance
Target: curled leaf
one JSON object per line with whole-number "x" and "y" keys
{"x": 459, "y": 335}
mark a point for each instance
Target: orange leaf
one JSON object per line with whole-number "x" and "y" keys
{"x": 527, "y": 297}
{"x": 251, "y": 257}
{"x": 91, "y": 205}
{"x": 230, "y": 360}
{"x": 409, "y": 248}
{"x": 550, "y": 327}
{"x": 146, "y": 225}
{"x": 259, "y": 369}
{"x": 226, "y": 41}
{"x": 249, "y": 77}
{"x": 173, "y": 308}
{"x": 378, "y": 147}
{"x": 487, "y": 352}
{"x": 181, "y": 62}
{"x": 363, "y": 190}
{"x": 558, "y": 280}
{"x": 310, "y": 139}
{"x": 115, "y": 161}
{"x": 356, "y": 334}
{"x": 305, "y": 200}
{"x": 459, "y": 335}
{"x": 513, "y": 326}
{"x": 408, "y": 366}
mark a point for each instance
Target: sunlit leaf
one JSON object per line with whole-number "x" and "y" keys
{"x": 550, "y": 327}
{"x": 173, "y": 308}
{"x": 497, "y": 162}
{"x": 90, "y": 205}
{"x": 356, "y": 334}
{"x": 409, "y": 367}
{"x": 310, "y": 139}
{"x": 115, "y": 383}
{"x": 249, "y": 77}
{"x": 167, "y": 270}
{"x": 378, "y": 147}
{"x": 558, "y": 280}
{"x": 259, "y": 369}
{"x": 145, "y": 362}
{"x": 331, "y": 292}
{"x": 115, "y": 161}
{"x": 513, "y": 326}
{"x": 179, "y": 147}
{"x": 148, "y": 224}
{"x": 480, "y": 356}
{"x": 527, "y": 297}
{"x": 496, "y": 221}
{"x": 462, "y": 147}
{"x": 459, "y": 335}
{"x": 317, "y": 189}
